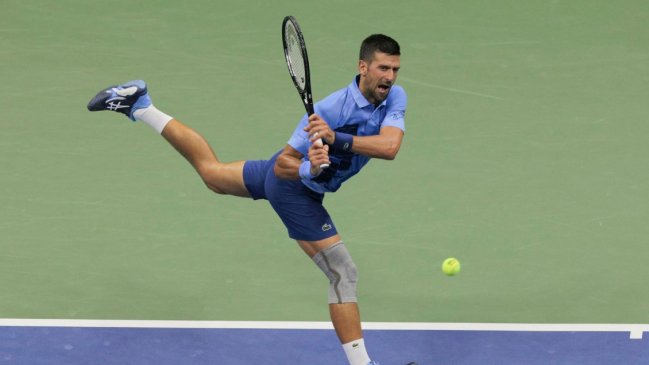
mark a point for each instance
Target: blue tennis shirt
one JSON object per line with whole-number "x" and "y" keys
{"x": 348, "y": 111}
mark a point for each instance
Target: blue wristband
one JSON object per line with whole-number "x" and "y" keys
{"x": 343, "y": 141}
{"x": 305, "y": 170}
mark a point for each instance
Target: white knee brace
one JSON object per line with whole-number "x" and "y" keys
{"x": 337, "y": 264}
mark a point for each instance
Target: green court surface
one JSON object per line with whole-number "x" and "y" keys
{"x": 525, "y": 156}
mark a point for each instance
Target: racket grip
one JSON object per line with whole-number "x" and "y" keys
{"x": 320, "y": 144}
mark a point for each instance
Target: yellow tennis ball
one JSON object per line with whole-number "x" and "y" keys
{"x": 451, "y": 266}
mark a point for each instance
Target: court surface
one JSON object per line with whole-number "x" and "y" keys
{"x": 524, "y": 157}
{"x": 139, "y": 342}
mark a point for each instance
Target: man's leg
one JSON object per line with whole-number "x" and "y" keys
{"x": 222, "y": 178}
{"x": 347, "y": 321}
{"x": 345, "y": 315}
{"x": 132, "y": 99}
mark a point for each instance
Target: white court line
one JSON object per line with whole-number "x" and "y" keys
{"x": 454, "y": 90}
{"x": 635, "y": 330}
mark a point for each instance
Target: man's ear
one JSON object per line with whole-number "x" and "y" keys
{"x": 362, "y": 68}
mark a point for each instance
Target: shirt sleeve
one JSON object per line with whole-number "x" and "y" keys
{"x": 327, "y": 109}
{"x": 396, "y": 112}
{"x": 299, "y": 139}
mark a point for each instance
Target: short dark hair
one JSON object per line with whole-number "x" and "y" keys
{"x": 381, "y": 43}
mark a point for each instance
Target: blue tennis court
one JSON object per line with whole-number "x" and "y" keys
{"x": 130, "y": 342}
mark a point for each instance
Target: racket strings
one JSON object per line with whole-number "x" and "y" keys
{"x": 295, "y": 56}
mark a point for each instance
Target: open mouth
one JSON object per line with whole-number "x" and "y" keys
{"x": 384, "y": 87}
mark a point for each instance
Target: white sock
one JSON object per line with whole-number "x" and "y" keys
{"x": 153, "y": 117}
{"x": 356, "y": 353}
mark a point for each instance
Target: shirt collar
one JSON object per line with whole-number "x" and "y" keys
{"x": 359, "y": 98}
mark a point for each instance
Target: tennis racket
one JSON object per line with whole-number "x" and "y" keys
{"x": 298, "y": 64}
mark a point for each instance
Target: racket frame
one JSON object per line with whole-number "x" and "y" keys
{"x": 305, "y": 93}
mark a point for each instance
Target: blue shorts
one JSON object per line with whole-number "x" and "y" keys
{"x": 299, "y": 207}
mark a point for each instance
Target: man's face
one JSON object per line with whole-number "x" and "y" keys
{"x": 378, "y": 76}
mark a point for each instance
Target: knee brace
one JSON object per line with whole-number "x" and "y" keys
{"x": 337, "y": 264}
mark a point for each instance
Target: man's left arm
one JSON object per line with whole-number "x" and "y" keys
{"x": 384, "y": 145}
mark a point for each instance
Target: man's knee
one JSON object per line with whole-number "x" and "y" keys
{"x": 211, "y": 180}
{"x": 338, "y": 266}
{"x": 225, "y": 179}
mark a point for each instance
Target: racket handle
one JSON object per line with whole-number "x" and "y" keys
{"x": 319, "y": 143}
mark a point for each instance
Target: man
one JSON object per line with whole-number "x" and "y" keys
{"x": 362, "y": 121}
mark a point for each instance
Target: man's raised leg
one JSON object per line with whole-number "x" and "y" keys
{"x": 132, "y": 99}
{"x": 222, "y": 178}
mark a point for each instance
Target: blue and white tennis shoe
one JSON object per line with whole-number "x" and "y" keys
{"x": 125, "y": 98}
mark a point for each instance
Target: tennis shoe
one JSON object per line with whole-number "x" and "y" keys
{"x": 125, "y": 98}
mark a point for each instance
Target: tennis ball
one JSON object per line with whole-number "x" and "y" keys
{"x": 451, "y": 266}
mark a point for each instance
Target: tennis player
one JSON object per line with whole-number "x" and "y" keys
{"x": 361, "y": 121}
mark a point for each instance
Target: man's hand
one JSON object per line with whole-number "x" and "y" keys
{"x": 318, "y": 155}
{"x": 318, "y": 128}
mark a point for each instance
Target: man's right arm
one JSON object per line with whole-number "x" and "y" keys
{"x": 287, "y": 165}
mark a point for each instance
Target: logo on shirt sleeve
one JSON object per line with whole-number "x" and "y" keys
{"x": 398, "y": 115}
